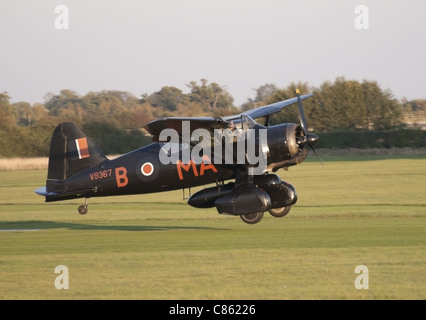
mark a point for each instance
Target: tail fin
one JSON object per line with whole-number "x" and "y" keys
{"x": 71, "y": 152}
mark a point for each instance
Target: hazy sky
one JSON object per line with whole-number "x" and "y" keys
{"x": 141, "y": 46}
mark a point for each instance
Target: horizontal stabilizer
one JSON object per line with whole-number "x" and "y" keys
{"x": 41, "y": 191}
{"x": 56, "y": 196}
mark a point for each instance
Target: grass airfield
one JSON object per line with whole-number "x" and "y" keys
{"x": 355, "y": 211}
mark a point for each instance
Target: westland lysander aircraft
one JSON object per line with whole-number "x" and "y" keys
{"x": 189, "y": 152}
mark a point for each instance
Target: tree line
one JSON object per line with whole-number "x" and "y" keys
{"x": 113, "y": 119}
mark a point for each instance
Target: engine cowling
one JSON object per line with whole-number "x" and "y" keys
{"x": 286, "y": 143}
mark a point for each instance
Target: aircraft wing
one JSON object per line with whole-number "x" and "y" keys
{"x": 210, "y": 123}
{"x": 267, "y": 110}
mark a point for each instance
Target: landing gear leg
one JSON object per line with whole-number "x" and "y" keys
{"x": 83, "y": 208}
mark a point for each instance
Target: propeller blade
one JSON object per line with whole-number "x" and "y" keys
{"x": 310, "y": 139}
{"x": 302, "y": 117}
{"x": 319, "y": 158}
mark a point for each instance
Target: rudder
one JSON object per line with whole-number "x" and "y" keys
{"x": 71, "y": 152}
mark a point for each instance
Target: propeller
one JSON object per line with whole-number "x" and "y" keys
{"x": 310, "y": 139}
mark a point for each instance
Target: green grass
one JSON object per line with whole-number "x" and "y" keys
{"x": 349, "y": 213}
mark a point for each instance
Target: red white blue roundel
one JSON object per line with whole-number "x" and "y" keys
{"x": 147, "y": 169}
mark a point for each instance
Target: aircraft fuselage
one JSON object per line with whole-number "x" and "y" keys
{"x": 139, "y": 171}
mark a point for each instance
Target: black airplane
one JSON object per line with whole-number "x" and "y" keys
{"x": 188, "y": 152}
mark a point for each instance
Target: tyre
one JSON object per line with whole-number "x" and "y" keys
{"x": 279, "y": 212}
{"x": 83, "y": 209}
{"x": 252, "y": 218}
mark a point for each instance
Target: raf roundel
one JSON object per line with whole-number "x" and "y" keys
{"x": 147, "y": 169}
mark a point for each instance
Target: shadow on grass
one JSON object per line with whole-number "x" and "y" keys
{"x": 22, "y": 226}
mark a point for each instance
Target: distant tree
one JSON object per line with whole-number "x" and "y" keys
{"x": 106, "y": 107}
{"x": 383, "y": 110}
{"x": 38, "y": 112}
{"x": 210, "y": 96}
{"x": 23, "y": 113}
{"x": 10, "y": 133}
{"x": 54, "y": 103}
{"x": 192, "y": 109}
{"x": 421, "y": 104}
{"x": 141, "y": 114}
{"x": 7, "y": 111}
{"x": 127, "y": 99}
{"x": 263, "y": 93}
{"x": 352, "y": 104}
{"x": 342, "y": 104}
{"x": 66, "y": 106}
{"x": 414, "y": 105}
{"x": 117, "y": 116}
{"x": 168, "y": 98}
{"x": 290, "y": 114}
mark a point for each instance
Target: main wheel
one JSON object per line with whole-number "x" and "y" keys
{"x": 83, "y": 209}
{"x": 252, "y": 218}
{"x": 279, "y": 212}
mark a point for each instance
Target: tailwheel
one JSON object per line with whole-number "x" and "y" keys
{"x": 83, "y": 208}
{"x": 252, "y": 218}
{"x": 280, "y": 212}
